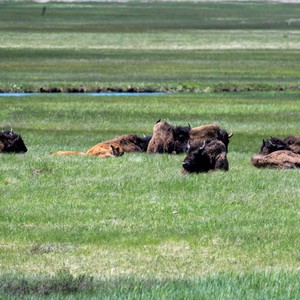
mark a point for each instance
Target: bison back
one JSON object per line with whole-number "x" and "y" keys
{"x": 278, "y": 159}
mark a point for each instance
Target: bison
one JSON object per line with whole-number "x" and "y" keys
{"x": 277, "y": 159}
{"x": 131, "y": 142}
{"x": 99, "y": 150}
{"x": 293, "y": 142}
{"x": 11, "y": 142}
{"x": 209, "y": 133}
{"x": 273, "y": 144}
{"x": 205, "y": 157}
{"x": 167, "y": 138}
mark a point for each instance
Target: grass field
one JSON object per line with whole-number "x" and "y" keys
{"x": 134, "y": 227}
{"x": 173, "y": 45}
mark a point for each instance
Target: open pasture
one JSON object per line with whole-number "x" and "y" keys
{"x": 137, "y": 216}
{"x": 175, "y": 45}
{"x": 134, "y": 227}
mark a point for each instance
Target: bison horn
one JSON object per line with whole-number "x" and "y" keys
{"x": 230, "y": 134}
{"x": 272, "y": 144}
{"x": 188, "y": 144}
{"x": 189, "y": 125}
{"x": 203, "y": 146}
{"x": 158, "y": 121}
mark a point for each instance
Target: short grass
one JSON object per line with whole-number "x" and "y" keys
{"x": 134, "y": 225}
{"x": 175, "y": 45}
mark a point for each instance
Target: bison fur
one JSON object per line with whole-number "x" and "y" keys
{"x": 100, "y": 150}
{"x": 167, "y": 138}
{"x": 277, "y": 159}
{"x": 273, "y": 144}
{"x": 209, "y": 133}
{"x": 11, "y": 142}
{"x": 205, "y": 157}
{"x": 293, "y": 142}
{"x": 131, "y": 142}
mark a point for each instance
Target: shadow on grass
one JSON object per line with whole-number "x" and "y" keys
{"x": 253, "y": 285}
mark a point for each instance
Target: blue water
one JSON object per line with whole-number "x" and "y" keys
{"x": 15, "y": 94}
{"x": 88, "y": 94}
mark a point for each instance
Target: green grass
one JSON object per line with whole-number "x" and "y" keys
{"x": 257, "y": 285}
{"x": 134, "y": 227}
{"x": 137, "y": 215}
{"x": 182, "y": 46}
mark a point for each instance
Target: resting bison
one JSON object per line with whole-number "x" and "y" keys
{"x": 11, "y": 142}
{"x": 99, "y": 150}
{"x": 131, "y": 142}
{"x": 277, "y": 159}
{"x": 168, "y": 139}
{"x": 209, "y": 133}
{"x": 205, "y": 157}
{"x": 293, "y": 142}
{"x": 273, "y": 144}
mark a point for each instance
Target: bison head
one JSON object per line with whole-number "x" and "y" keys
{"x": 181, "y": 138}
{"x": 224, "y": 137}
{"x": 205, "y": 157}
{"x": 273, "y": 144}
{"x": 11, "y": 142}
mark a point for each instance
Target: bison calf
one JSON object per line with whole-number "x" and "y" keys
{"x": 99, "y": 150}
{"x": 10, "y": 142}
{"x": 205, "y": 157}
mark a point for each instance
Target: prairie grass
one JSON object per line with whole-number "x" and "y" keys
{"x": 137, "y": 216}
{"x": 182, "y": 46}
{"x": 134, "y": 227}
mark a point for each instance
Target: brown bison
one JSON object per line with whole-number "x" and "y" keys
{"x": 205, "y": 157}
{"x": 293, "y": 142}
{"x": 277, "y": 159}
{"x": 131, "y": 142}
{"x": 167, "y": 138}
{"x": 99, "y": 150}
{"x": 209, "y": 133}
{"x": 10, "y": 142}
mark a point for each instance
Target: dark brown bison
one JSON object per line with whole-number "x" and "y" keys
{"x": 205, "y": 157}
{"x": 100, "y": 150}
{"x": 10, "y": 142}
{"x": 131, "y": 142}
{"x": 273, "y": 144}
{"x": 167, "y": 138}
{"x": 277, "y": 159}
{"x": 293, "y": 142}
{"x": 209, "y": 133}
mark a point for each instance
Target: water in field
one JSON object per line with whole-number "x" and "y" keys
{"x": 88, "y": 94}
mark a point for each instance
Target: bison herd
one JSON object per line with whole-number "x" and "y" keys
{"x": 205, "y": 147}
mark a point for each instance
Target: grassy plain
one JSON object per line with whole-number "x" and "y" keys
{"x": 136, "y": 220}
{"x": 176, "y": 45}
{"x": 135, "y": 227}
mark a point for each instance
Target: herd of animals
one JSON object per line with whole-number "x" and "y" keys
{"x": 206, "y": 147}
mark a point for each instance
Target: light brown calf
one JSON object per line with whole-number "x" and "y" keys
{"x": 99, "y": 150}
